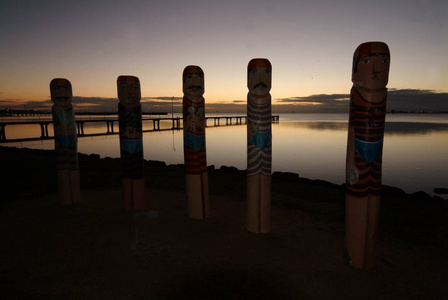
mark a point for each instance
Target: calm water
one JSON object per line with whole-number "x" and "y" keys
{"x": 313, "y": 145}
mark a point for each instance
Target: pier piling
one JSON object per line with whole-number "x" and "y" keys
{"x": 176, "y": 125}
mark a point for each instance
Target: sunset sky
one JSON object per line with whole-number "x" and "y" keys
{"x": 309, "y": 43}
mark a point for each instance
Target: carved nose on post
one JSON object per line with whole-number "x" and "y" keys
{"x": 375, "y": 68}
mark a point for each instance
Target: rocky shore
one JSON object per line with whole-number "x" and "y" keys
{"x": 82, "y": 250}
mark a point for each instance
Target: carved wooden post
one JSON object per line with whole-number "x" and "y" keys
{"x": 65, "y": 141}
{"x": 131, "y": 143}
{"x": 194, "y": 143}
{"x": 364, "y": 152}
{"x": 259, "y": 146}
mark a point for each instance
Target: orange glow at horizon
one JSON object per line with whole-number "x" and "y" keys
{"x": 309, "y": 43}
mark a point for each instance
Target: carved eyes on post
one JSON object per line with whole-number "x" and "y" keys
{"x": 366, "y": 61}
{"x": 255, "y": 71}
{"x": 190, "y": 75}
{"x": 134, "y": 85}
{"x": 67, "y": 88}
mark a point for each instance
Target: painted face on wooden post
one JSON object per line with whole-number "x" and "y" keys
{"x": 129, "y": 92}
{"x": 61, "y": 93}
{"x": 259, "y": 77}
{"x": 193, "y": 83}
{"x": 371, "y": 63}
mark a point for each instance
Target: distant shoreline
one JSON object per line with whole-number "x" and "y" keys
{"x": 19, "y": 112}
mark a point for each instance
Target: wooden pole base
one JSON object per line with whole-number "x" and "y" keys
{"x": 76, "y": 189}
{"x": 361, "y": 228}
{"x": 134, "y": 194}
{"x": 198, "y": 205}
{"x": 259, "y": 203}
{"x": 127, "y": 193}
{"x": 69, "y": 187}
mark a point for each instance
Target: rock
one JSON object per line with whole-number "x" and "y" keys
{"x": 94, "y": 156}
{"x": 228, "y": 169}
{"x": 440, "y": 191}
{"x": 421, "y": 196}
{"x": 324, "y": 183}
{"x": 391, "y": 191}
{"x": 155, "y": 163}
{"x": 285, "y": 176}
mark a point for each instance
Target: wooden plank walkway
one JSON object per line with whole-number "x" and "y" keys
{"x": 175, "y": 122}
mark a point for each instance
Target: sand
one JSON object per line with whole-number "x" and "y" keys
{"x": 86, "y": 250}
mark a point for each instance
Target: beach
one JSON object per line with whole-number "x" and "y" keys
{"x": 85, "y": 250}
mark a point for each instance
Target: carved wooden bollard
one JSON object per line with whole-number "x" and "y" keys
{"x": 259, "y": 146}
{"x": 65, "y": 141}
{"x": 364, "y": 152}
{"x": 194, "y": 143}
{"x": 131, "y": 143}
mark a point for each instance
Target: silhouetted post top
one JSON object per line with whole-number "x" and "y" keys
{"x": 129, "y": 92}
{"x": 259, "y": 78}
{"x": 371, "y": 63}
{"x": 193, "y": 83}
{"x": 259, "y": 63}
{"x": 61, "y": 93}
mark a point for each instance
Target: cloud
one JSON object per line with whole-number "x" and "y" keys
{"x": 89, "y": 103}
{"x": 161, "y": 99}
{"x": 316, "y": 99}
{"x": 321, "y": 103}
{"x": 417, "y": 100}
{"x": 33, "y": 104}
{"x": 95, "y": 104}
{"x": 398, "y": 100}
{"x": 9, "y": 102}
{"x": 166, "y": 104}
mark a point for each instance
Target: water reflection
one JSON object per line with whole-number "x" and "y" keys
{"x": 25, "y": 131}
{"x": 401, "y": 128}
{"x": 406, "y": 128}
{"x": 414, "y": 153}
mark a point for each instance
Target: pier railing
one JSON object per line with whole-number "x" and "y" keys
{"x": 110, "y": 122}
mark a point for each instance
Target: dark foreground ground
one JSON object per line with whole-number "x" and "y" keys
{"x": 84, "y": 251}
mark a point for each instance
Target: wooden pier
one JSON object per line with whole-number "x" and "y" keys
{"x": 175, "y": 125}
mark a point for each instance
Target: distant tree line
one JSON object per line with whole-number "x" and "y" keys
{"x": 12, "y": 112}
